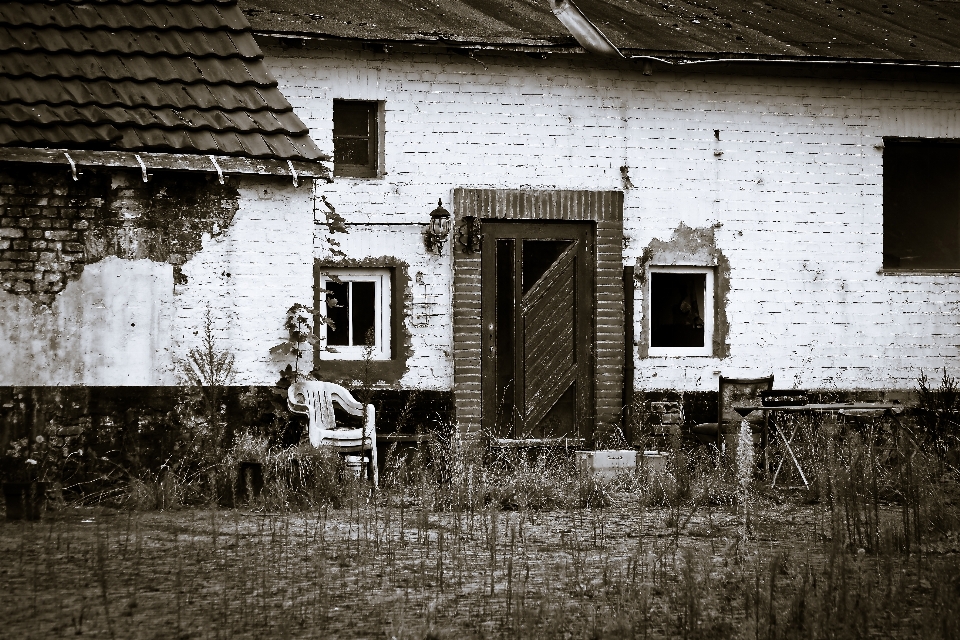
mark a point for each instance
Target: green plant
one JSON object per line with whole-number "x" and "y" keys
{"x": 939, "y": 411}
{"x": 42, "y": 458}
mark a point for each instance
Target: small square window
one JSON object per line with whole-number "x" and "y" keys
{"x": 360, "y": 319}
{"x": 356, "y": 138}
{"x": 921, "y": 204}
{"x": 681, "y": 311}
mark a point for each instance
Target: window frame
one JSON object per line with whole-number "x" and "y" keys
{"x": 374, "y": 142}
{"x": 708, "y": 312}
{"x": 383, "y": 313}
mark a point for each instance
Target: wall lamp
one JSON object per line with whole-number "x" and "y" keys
{"x": 468, "y": 234}
{"x": 436, "y": 234}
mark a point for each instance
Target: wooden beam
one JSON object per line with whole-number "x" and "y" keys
{"x": 228, "y": 165}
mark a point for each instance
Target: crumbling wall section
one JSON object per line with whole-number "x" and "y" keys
{"x": 52, "y": 225}
{"x": 44, "y": 223}
{"x": 88, "y": 266}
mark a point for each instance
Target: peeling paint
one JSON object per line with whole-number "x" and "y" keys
{"x": 110, "y": 326}
{"x": 165, "y": 219}
{"x": 374, "y": 373}
{"x": 51, "y": 226}
{"x": 691, "y": 247}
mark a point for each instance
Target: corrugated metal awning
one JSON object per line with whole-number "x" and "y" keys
{"x": 678, "y": 30}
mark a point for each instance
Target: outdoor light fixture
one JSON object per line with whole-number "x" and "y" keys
{"x": 436, "y": 234}
{"x": 468, "y": 235}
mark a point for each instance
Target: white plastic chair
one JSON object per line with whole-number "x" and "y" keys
{"x": 315, "y": 399}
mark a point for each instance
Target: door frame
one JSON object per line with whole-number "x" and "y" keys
{"x": 605, "y": 208}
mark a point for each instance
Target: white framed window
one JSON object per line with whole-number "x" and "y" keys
{"x": 680, "y": 310}
{"x": 360, "y": 319}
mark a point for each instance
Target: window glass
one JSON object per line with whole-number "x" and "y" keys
{"x": 358, "y": 305}
{"x": 355, "y": 138}
{"x": 338, "y": 310}
{"x": 352, "y": 152}
{"x": 676, "y": 318}
{"x": 364, "y": 313}
{"x": 921, "y": 204}
{"x": 351, "y": 118}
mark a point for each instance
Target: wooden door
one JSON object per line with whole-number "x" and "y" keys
{"x": 537, "y": 291}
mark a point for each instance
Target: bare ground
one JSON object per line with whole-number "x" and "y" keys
{"x": 397, "y": 570}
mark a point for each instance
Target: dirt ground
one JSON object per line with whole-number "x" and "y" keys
{"x": 396, "y": 570}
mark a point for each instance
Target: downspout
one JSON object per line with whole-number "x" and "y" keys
{"x": 586, "y": 33}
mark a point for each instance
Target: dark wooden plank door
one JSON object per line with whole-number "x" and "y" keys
{"x": 537, "y": 291}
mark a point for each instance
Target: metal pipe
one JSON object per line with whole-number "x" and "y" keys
{"x": 586, "y": 33}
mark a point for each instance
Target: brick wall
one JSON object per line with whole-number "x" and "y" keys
{"x": 786, "y": 170}
{"x": 106, "y": 280}
{"x": 43, "y": 223}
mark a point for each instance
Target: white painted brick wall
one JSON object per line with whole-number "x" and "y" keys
{"x": 249, "y": 276}
{"x": 796, "y": 190}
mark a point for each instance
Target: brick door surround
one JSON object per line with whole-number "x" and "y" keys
{"x": 605, "y": 208}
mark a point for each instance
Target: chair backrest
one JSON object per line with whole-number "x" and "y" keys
{"x": 739, "y": 392}
{"x": 315, "y": 399}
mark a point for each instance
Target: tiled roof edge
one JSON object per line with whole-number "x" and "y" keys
{"x": 147, "y": 161}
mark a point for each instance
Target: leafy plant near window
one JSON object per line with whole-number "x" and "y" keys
{"x": 300, "y": 318}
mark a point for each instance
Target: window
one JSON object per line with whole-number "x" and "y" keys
{"x": 356, "y": 138}
{"x": 360, "y": 319}
{"x": 921, "y": 204}
{"x": 681, "y": 311}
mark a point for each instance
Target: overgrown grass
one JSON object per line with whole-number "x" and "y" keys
{"x": 462, "y": 541}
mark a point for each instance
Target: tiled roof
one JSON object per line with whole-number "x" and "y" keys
{"x": 175, "y": 76}
{"x": 859, "y": 30}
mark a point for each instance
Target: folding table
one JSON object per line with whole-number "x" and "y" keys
{"x": 885, "y": 409}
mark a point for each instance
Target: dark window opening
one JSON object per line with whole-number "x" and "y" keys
{"x": 364, "y": 312}
{"x": 921, "y": 204}
{"x": 338, "y": 329}
{"x": 676, "y": 309}
{"x": 352, "y": 319}
{"x": 355, "y": 138}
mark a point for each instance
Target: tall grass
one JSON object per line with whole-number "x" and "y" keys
{"x": 464, "y": 540}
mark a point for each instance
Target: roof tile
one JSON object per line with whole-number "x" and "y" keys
{"x": 139, "y": 75}
{"x": 89, "y": 66}
{"x": 113, "y": 15}
{"x": 124, "y": 41}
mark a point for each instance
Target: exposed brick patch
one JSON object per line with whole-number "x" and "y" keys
{"x": 42, "y": 230}
{"x": 51, "y": 226}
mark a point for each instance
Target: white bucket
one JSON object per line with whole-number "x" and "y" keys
{"x": 355, "y": 465}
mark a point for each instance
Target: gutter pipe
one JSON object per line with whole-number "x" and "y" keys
{"x": 586, "y": 33}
